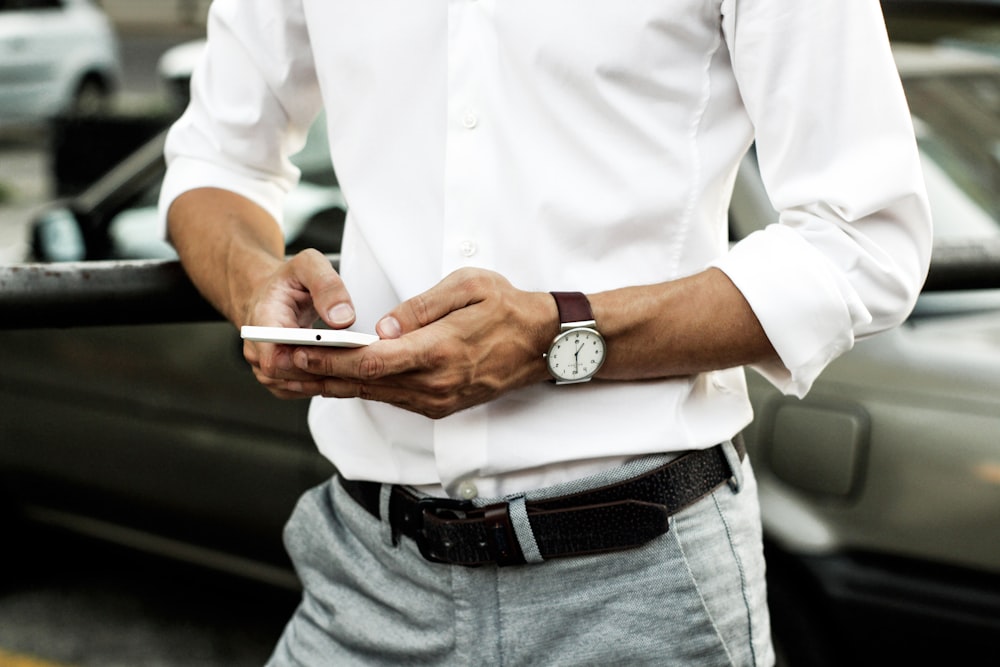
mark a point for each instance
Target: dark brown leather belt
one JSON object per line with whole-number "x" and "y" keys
{"x": 609, "y": 518}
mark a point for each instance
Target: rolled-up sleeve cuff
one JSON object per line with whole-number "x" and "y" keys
{"x": 186, "y": 173}
{"x": 802, "y": 308}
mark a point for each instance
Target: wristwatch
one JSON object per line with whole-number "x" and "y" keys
{"x": 578, "y": 351}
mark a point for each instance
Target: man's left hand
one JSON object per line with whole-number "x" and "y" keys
{"x": 466, "y": 341}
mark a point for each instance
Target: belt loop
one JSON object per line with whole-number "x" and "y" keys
{"x": 522, "y": 529}
{"x": 390, "y": 536}
{"x": 735, "y": 465}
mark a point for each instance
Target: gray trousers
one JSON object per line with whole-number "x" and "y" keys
{"x": 694, "y": 596}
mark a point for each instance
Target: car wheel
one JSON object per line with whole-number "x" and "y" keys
{"x": 91, "y": 98}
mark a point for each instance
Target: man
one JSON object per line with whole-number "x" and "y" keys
{"x": 538, "y": 196}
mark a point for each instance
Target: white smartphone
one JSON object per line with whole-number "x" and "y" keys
{"x": 294, "y": 336}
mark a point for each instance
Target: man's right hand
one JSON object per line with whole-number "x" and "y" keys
{"x": 302, "y": 290}
{"x": 234, "y": 253}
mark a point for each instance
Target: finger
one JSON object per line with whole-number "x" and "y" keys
{"x": 288, "y": 395}
{"x": 458, "y": 290}
{"x": 434, "y": 405}
{"x": 272, "y": 362}
{"x": 303, "y": 386}
{"x": 381, "y": 359}
{"x": 329, "y": 294}
{"x": 337, "y": 363}
{"x": 435, "y": 400}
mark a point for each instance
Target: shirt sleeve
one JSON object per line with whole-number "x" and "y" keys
{"x": 838, "y": 156}
{"x": 254, "y": 95}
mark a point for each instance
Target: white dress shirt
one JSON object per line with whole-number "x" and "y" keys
{"x": 577, "y": 145}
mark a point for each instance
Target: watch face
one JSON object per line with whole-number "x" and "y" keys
{"x": 576, "y": 355}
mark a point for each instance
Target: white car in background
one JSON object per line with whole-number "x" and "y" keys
{"x": 313, "y": 214}
{"x": 56, "y": 57}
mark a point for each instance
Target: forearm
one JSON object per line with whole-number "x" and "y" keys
{"x": 227, "y": 244}
{"x": 695, "y": 324}
{"x": 474, "y": 337}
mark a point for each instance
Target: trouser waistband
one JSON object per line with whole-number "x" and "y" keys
{"x": 614, "y": 517}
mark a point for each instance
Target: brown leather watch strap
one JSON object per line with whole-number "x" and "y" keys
{"x": 573, "y": 307}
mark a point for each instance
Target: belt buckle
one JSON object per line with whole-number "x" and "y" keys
{"x": 442, "y": 508}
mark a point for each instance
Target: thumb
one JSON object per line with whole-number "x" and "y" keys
{"x": 458, "y": 290}
{"x": 330, "y": 298}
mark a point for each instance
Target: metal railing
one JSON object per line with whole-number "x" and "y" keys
{"x": 95, "y": 293}
{"x": 100, "y": 293}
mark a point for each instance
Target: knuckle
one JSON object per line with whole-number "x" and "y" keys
{"x": 323, "y": 365}
{"x": 439, "y": 409}
{"x": 307, "y": 256}
{"x": 440, "y": 386}
{"x": 476, "y": 281}
{"x": 267, "y": 366}
{"x": 442, "y": 356}
{"x": 371, "y": 367}
{"x": 420, "y": 308}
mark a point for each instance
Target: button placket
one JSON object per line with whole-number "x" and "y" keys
{"x": 468, "y": 212}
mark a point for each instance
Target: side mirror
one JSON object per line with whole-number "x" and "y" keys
{"x": 56, "y": 237}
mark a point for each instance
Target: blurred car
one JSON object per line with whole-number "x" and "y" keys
{"x": 115, "y": 218}
{"x": 157, "y": 436}
{"x": 880, "y": 491}
{"x": 56, "y": 57}
{"x": 174, "y": 69}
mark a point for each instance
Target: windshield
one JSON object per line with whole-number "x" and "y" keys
{"x": 955, "y": 103}
{"x": 957, "y": 119}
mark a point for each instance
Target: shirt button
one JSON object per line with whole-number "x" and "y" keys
{"x": 467, "y": 490}
{"x": 469, "y": 248}
{"x": 470, "y": 120}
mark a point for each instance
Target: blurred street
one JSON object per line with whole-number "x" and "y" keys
{"x": 122, "y": 420}
{"x": 67, "y": 601}
{"x": 24, "y": 159}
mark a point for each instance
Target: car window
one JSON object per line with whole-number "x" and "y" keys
{"x": 957, "y": 215}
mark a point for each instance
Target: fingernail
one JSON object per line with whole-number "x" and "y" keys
{"x": 388, "y": 327}
{"x": 342, "y": 313}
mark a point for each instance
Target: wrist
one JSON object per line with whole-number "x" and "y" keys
{"x": 244, "y": 282}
